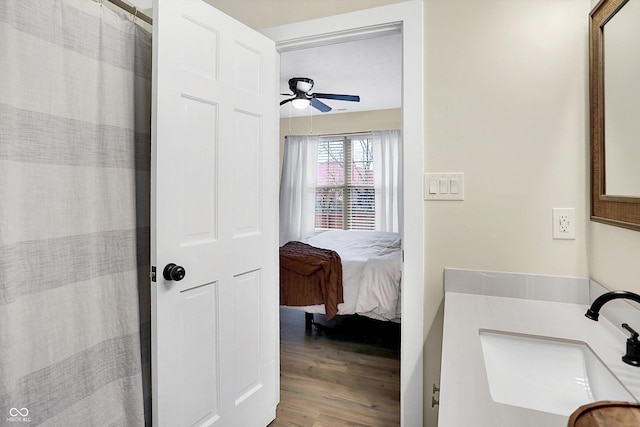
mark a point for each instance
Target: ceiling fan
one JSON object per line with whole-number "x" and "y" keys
{"x": 300, "y": 87}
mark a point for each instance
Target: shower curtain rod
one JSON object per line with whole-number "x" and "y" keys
{"x": 137, "y": 13}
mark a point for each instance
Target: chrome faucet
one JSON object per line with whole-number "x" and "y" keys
{"x": 632, "y": 357}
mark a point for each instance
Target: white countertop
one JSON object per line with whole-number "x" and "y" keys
{"x": 465, "y": 399}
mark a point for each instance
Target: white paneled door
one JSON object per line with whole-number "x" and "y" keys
{"x": 215, "y": 358}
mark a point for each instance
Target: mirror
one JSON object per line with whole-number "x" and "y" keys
{"x": 622, "y": 103}
{"x": 615, "y": 128}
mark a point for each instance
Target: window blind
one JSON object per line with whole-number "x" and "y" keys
{"x": 345, "y": 195}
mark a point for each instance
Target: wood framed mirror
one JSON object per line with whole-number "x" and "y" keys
{"x": 613, "y": 204}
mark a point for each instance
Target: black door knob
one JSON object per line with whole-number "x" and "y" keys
{"x": 174, "y": 272}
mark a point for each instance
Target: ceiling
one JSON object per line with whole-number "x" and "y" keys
{"x": 370, "y": 68}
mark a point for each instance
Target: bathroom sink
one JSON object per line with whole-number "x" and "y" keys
{"x": 546, "y": 374}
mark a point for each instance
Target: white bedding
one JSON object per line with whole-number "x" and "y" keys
{"x": 371, "y": 272}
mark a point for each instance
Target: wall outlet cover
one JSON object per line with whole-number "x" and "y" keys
{"x": 564, "y": 223}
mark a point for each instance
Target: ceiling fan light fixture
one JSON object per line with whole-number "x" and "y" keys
{"x": 300, "y": 103}
{"x": 304, "y": 86}
{"x": 300, "y": 87}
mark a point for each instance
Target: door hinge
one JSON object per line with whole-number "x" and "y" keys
{"x": 152, "y": 274}
{"x": 435, "y": 401}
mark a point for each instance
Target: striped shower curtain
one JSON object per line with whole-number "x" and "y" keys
{"x": 75, "y": 82}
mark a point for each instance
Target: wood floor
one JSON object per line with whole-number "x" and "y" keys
{"x": 345, "y": 375}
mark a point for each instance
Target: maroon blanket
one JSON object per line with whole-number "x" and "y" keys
{"x": 310, "y": 276}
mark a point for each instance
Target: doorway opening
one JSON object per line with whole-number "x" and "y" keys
{"x": 408, "y": 17}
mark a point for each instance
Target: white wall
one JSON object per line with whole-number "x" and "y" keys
{"x": 613, "y": 257}
{"x": 506, "y": 103}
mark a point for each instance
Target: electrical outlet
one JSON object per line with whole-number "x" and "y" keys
{"x": 564, "y": 223}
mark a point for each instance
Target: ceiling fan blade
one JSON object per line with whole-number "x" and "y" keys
{"x": 287, "y": 100}
{"x": 320, "y": 105}
{"x": 352, "y": 98}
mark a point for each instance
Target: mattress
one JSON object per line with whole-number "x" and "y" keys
{"x": 371, "y": 269}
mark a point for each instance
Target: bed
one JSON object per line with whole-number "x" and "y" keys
{"x": 371, "y": 263}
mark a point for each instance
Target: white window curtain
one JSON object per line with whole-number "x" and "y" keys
{"x": 298, "y": 188}
{"x": 387, "y": 172}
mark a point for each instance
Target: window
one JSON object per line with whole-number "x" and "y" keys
{"x": 345, "y": 196}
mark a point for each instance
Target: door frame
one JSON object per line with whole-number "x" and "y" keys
{"x": 408, "y": 16}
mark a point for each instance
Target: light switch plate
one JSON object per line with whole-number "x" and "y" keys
{"x": 437, "y": 186}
